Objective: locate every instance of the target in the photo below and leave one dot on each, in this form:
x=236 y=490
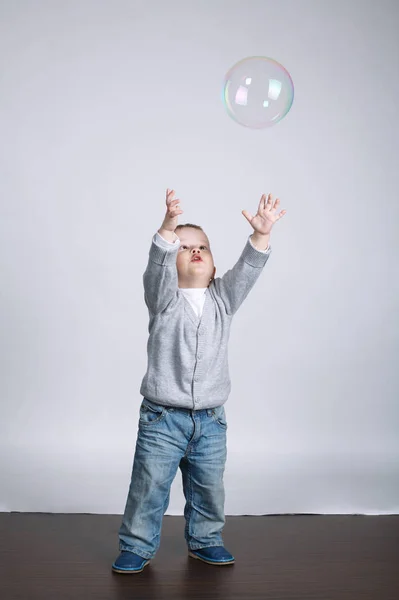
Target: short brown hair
x=189 y=225
x=198 y=227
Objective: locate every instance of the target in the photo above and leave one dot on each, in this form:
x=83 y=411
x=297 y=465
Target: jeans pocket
x=219 y=415
x=151 y=413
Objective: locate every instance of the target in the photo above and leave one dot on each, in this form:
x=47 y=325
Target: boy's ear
x=213 y=276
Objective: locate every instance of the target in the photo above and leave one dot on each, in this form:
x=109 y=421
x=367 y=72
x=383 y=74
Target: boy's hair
x=189 y=225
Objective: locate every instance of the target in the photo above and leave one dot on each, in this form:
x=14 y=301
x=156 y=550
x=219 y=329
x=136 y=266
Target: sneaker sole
x=129 y=571
x=215 y=563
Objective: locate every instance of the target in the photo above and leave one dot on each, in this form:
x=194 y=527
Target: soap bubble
x=258 y=92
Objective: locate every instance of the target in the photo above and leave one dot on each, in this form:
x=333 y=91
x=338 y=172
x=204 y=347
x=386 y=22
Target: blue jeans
x=168 y=438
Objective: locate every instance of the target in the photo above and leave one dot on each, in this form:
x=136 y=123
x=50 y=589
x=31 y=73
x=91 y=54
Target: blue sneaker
x=214 y=555
x=128 y=562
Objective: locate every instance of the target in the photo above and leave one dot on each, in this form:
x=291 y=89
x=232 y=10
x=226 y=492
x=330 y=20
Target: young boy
x=182 y=418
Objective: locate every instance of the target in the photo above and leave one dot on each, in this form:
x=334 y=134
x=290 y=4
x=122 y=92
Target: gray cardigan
x=187 y=356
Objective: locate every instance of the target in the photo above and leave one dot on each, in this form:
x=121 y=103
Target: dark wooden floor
x=60 y=557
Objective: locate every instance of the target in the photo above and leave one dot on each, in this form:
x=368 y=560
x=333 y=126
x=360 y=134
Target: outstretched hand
x=266 y=216
x=173 y=210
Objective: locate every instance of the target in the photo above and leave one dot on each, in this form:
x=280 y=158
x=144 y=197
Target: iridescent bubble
x=258 y=92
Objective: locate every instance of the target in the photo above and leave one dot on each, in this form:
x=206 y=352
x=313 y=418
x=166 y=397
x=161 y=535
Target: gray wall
x=105 y=104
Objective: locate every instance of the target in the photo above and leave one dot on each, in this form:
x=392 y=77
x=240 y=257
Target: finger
x=169 y=196
x=265 y=204
x=262 y=202
x=174 y=202
x=175 y=214
x=277 y=202
x=269 y=202
x=173 y=205
x=247 y=215
x=280 y=215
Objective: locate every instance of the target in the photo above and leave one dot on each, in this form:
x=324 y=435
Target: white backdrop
x=104 y=104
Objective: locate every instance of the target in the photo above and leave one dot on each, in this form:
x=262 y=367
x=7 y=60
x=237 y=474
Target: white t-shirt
x=196 y=297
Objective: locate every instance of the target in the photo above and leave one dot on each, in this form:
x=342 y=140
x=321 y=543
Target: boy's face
x=194 y=262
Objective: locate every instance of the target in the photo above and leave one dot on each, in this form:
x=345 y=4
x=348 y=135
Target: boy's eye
x=185 y=247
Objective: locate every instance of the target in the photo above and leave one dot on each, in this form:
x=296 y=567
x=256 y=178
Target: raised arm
x=160 y=277
x=236 y=283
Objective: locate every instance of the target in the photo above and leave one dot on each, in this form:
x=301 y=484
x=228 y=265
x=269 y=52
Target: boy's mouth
x=196 y=259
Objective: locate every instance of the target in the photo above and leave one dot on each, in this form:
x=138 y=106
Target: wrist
x=260 y=240
x=168 y=235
